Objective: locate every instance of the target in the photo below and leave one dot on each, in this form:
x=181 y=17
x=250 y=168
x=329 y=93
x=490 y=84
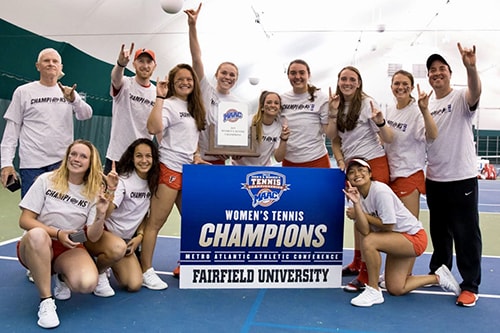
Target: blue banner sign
x=261 y=227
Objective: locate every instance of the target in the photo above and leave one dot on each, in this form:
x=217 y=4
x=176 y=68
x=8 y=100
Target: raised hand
x=68 y=92
x=285 y=133
x=193 y=15
x=351 y=193
x=333 y=102
x=124 y=55
x=377 y=115
x=111 y=178
x=162 y=87
x=468 y=55
x=423 y=99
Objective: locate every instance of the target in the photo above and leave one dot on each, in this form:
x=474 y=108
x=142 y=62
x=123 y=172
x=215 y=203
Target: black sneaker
x=348 y=270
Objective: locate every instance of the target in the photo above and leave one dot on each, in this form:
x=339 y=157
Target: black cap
x=435 y=57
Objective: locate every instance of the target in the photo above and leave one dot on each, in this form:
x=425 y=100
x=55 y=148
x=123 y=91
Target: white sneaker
x=152 y=281
x=103 y=289
x=370 y=296
x=61 y=290
x=29 y=276
x=47 y=315
x=447 y=281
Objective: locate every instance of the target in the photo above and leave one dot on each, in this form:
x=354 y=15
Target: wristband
x=283 y=139
x=381 y=125
x=162 y=97
x=57 y=234
x=120 y=65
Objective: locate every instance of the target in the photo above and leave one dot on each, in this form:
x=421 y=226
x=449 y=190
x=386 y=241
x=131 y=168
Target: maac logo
x=232 y=115
x=265 y=187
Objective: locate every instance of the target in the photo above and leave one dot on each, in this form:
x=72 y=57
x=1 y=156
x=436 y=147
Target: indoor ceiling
x=263 y=36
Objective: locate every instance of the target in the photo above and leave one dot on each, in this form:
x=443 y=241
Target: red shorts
x=57 y=249
x=218 y=162
x=403 y=186
x=322 y=162
x=171 y=178
x=419 y=241
x=380 y=169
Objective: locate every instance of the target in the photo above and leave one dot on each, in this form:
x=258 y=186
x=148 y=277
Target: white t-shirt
x=384 y=204
x=131 y=108
x=362 y=140
x=406 y=154
x=211 y=99
x=305 y=120
x=42 y=120
x=180 y=135
x=269 y=143
x=132 y=199
x=70 y=211
x=452 y=155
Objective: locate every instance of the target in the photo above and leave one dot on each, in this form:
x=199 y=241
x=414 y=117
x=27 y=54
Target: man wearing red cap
x=451 y=184
x=133 y=100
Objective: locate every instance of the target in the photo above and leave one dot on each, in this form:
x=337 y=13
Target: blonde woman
x=59 y=204
x=272 y=135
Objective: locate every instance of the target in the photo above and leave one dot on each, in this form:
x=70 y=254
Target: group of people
x=122 y=206
x=431 y=134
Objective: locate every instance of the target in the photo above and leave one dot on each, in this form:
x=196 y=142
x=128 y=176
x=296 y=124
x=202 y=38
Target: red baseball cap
x=140 y=52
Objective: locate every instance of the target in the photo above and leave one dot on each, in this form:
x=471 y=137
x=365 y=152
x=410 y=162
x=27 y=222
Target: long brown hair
x=125 y=165
x=196 y=107
x=348 y=121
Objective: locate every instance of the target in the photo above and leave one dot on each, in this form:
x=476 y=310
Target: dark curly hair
x=125 y=165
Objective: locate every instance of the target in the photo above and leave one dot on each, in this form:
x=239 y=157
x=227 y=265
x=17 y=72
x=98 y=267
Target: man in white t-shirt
x=452 y=185
x=40 y=118
x=133 y=100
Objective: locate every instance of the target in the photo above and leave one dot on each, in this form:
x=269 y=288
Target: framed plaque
x=232 y=135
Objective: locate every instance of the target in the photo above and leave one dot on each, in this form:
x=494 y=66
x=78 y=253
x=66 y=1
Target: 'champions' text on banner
x=261 y=227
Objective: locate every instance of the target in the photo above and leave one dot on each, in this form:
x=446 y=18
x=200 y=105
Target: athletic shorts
x=403 y=186
x=218 y=162
x=380 y=169
x=57 y=249
x=419 y=241
x=171 y=178
x=322 y=162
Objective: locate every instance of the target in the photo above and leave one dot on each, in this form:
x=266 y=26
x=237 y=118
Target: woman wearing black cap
x=387 y=226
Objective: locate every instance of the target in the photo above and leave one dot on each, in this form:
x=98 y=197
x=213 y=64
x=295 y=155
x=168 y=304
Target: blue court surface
x=246 y=310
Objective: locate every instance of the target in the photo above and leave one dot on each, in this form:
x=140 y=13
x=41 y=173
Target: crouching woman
x=387 y=226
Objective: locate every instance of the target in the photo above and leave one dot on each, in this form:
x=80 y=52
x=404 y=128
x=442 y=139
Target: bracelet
x=110 y=192
x=381 y=125
x=57 y=234
x=120 y=65
x=162 y=97
x=283 y=139
x=140 y=234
